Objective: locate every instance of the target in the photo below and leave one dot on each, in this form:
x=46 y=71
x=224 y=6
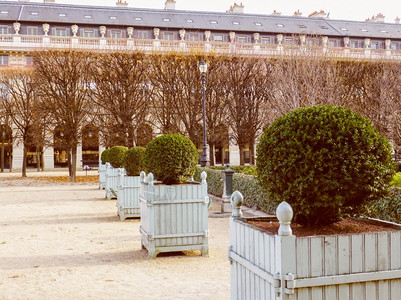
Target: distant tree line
x=131 y=96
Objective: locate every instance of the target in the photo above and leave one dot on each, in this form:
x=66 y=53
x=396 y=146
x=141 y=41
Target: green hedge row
x=248 y=170
x=246 y=184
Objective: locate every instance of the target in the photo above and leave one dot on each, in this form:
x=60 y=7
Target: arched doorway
x=6 y=147
x=144 y=134
x=90 y=146
x=60 y=148
x=34 y=151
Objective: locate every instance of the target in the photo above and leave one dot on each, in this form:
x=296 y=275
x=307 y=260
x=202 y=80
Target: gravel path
x=64 y=241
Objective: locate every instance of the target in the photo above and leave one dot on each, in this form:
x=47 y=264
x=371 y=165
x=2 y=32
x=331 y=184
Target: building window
x=62 y=15
x=115 y=34
x=280 y=25
x=113 y=18
x=235 y=22
x=142 y=35
x=213 y=22
x=138 y=19
x=354 y=44
x=194 y=37
x=3 y=60
x=242 y=39
x=168 y=36
x=34 y=13
x=88 y=33
x=4 y=29
x=289 y=41
x=88 y=17
x=29 y=60
x=324 y=27
x=59 y=31
x=32 y=30
x=4 y=12
x=374 y=45
x=218 y=38
x=364 y=30
x=166 y=20
x=395 y=46
x=265 y=40
x=190 y=21
x=344 y=29
x=302 y=26
x=258 y=24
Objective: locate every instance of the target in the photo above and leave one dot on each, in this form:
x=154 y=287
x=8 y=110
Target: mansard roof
x=55 y=13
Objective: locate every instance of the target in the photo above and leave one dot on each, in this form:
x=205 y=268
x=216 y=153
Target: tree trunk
x=2 y=157
x=37 y=159
x=69 y=162
x=73 y=164
x=241 y=155
x=211 y=154
x=42 y=158
x=252 y=153
x=24 y=161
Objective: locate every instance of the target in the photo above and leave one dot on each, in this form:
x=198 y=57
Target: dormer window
x=34 y=13
x=166 y=20
x=324 y=27
x=62 y=15
x=4 y=12
x=302 y=26
x=190 y=21
x=235 y=22
x=138 y=19
x=213 y=22
x=88 y=17
x=383 y=31
x=258 y=24
x=364 y=30
x=280 y=25
x=113 y=18
x=344 y=29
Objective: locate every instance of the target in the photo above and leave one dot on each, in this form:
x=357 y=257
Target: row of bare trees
x=119 y=92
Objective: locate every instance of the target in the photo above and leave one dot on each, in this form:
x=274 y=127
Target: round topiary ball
x=104 y=157
x=325 y=161
x=172 y=158
x=116 y=155
x=133 y=161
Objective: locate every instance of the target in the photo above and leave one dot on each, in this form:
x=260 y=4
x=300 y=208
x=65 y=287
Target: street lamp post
x=203 y=70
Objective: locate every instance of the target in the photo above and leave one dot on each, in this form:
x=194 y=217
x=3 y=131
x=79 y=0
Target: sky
x=356 y=10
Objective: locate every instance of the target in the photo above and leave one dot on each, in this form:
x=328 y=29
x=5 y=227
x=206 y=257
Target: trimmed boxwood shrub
x=325 y=161
x=248 y=170
x=116 y=155
x=133 y=161
x=172 y=158
x=104 y=157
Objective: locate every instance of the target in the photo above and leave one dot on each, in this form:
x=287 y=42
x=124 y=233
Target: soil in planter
x=344 y=226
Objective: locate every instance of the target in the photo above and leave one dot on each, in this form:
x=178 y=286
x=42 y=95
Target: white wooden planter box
x=174 y=217
x=102 y=176
x=128 y=196
x=333 y=267
x=111 y=181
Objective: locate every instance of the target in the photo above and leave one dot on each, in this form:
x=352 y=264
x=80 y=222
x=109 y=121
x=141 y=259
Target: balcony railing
x=31 y=43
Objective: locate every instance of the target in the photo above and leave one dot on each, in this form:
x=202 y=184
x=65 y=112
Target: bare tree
x=120 y=88
x=19 y=99
x=63 y=83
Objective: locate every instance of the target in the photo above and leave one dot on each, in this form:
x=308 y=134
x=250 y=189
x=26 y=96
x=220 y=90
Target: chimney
x=276 y=13
x=236 y=9
x=380 y=18
x=297 y=13
x=318 y=14
x=121 y=3
x=169 y=4
x=397 y=20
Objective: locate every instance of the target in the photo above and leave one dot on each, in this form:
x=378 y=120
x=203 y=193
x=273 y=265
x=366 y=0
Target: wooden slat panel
x=395 y=289
x=370 y=292
x=343 y=291
x=330 y=255
x=302 y=257
x=384 y=289
x=370 y=250
x=316 y=263
x=395 y=247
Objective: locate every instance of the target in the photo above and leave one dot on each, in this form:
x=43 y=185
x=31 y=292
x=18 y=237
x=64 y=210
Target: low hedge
x=246 y=184
x=388 y=209
x=248 y=170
